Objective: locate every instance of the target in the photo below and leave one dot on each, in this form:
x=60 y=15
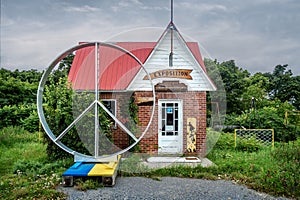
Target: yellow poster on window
x=191 y=135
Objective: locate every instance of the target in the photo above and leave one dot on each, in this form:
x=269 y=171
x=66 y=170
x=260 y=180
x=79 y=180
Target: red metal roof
x=117 y=69
x=193 y=46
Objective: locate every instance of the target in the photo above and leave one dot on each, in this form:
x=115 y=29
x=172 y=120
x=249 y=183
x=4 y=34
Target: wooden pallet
x=105 y=172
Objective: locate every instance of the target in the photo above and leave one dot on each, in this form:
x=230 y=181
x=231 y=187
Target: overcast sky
x=257 y=34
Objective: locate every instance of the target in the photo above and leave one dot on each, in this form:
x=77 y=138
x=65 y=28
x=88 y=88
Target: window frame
x=114 y=126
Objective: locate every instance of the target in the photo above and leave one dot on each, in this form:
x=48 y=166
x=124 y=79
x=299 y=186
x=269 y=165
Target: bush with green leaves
x=268 y=117
x=250 y=144
x=20 y=115
x=59 y=112
x=18 y=97
x=13 y=91
x=225 y=141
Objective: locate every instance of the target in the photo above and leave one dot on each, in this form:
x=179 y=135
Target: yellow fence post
x=40 y=131
x=273 y=138
x=235 y=138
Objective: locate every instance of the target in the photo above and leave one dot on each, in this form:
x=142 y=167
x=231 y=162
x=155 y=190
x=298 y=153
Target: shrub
x=58 y=113
x=270 y=116
x=226 y=141
x=19 y=115
x=36 y=168
x=59 y=110
x=250 y=144
x=285 y=179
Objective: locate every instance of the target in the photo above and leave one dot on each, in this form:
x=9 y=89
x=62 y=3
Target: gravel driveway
x=168 y=188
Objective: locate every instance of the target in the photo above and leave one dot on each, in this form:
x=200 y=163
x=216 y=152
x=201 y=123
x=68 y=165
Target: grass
x=91 y=183
x=26 y=172
x=24 y=169
x=16 y=144
x=273 y=171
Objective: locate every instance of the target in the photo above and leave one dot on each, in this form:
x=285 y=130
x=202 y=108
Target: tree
x=216 y=100
x=18 y=97
x=18 y=87
x=62 y=105
x=269 y=117
x=296 y=94
x=64 y=67
x=235 y=83
x=255 y=94
x=283 y=85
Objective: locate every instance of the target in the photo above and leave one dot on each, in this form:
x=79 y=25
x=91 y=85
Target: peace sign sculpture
x=96 y=104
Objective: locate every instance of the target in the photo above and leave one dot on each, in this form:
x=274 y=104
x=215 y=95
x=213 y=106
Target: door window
x=169 y=119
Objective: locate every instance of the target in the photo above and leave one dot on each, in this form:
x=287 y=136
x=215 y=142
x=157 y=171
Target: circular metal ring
x=40 y=100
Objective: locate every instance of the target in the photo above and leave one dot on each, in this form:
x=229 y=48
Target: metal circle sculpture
x=79 y=156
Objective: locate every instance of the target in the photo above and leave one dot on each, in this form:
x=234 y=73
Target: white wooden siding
x=182 y=59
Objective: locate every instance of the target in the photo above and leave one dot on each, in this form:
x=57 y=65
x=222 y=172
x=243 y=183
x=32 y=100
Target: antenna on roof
x=172 y=11
x=171 y=27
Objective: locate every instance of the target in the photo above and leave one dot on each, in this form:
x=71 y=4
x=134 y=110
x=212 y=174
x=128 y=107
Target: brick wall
x=194 y=106
x=120 y=138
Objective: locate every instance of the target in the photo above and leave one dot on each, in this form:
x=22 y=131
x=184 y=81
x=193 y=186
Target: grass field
x=26 y=172
x=273 y=171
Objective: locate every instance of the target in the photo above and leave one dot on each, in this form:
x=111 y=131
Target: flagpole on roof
x=171 y=27
x=172 y=11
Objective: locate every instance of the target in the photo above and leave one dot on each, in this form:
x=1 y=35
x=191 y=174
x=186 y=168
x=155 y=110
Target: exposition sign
x=171 y=73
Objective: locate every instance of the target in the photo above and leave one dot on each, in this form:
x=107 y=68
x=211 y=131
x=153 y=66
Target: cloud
x=84 y=8
x=126 y=4
x=7 y=21
x=254 y=50
x=202 y=7
x=257 y=34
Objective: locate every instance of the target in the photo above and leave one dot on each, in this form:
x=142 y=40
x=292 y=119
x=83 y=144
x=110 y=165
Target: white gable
x=185 y=67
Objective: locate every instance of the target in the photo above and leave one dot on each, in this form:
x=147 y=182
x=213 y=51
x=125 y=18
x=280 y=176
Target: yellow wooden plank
x=104 y=169
x=101 y=169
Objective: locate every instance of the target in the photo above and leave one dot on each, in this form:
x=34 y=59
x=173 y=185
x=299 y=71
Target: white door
x=169 y=126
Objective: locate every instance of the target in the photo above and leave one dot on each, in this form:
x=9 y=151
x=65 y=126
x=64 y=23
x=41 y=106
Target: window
x=170 y=119
x=111 y=104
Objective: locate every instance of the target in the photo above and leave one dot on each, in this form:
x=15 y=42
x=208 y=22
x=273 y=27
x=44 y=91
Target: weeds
x=273 y=171
x=133 y=165
x=286 y=176
x=28 y=175
x=88 y=184
x=24 y=171
x=19 y=186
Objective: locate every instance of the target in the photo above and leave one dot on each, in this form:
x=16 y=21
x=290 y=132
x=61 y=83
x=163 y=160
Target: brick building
x=180 y=81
